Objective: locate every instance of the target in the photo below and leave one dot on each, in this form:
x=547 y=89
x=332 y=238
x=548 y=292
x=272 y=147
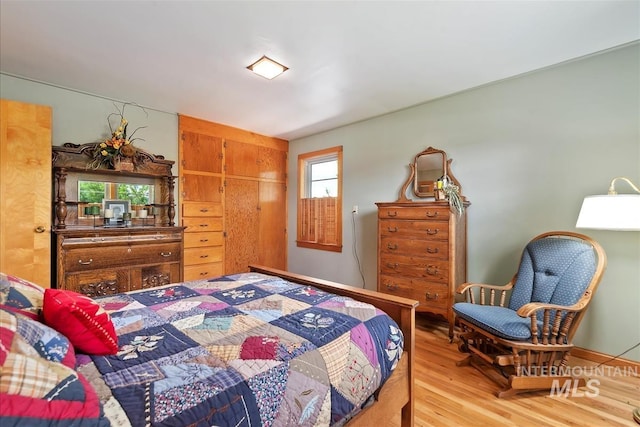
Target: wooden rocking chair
x=524 y=345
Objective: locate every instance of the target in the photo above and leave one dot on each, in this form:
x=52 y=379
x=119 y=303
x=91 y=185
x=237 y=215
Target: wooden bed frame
x=396 y=395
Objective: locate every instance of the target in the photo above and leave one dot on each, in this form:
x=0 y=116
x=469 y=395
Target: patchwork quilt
x=241 y=350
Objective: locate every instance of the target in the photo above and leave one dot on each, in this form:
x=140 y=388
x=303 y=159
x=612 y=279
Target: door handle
x=39 y=229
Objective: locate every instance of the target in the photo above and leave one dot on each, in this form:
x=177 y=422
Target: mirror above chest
x=431 y=178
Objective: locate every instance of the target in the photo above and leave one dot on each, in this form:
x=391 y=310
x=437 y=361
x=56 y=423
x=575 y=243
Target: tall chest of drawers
x=422 y=254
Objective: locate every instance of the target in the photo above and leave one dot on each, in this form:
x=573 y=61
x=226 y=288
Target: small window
x=320 y=200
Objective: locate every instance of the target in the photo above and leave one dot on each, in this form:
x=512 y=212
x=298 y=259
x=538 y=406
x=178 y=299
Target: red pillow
x=82 y=320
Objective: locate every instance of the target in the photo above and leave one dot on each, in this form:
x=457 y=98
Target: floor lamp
x=612 y=211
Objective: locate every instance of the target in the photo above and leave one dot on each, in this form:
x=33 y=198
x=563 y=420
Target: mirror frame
x=413 y=176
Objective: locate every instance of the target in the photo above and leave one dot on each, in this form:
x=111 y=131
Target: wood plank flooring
x=447 y=395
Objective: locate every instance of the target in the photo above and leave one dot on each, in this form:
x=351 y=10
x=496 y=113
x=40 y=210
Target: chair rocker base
x=514 y=384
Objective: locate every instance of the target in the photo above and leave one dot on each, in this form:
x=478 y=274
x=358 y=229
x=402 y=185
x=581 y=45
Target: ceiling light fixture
x=267 y=68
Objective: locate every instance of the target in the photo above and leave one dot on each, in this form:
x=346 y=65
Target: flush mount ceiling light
x=267 y=68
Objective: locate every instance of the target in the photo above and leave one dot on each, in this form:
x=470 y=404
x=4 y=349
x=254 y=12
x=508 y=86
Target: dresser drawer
x=432 y=270
x=85 y=259
x=203 y=271
x=433 y=297
x=204 y=255
x=200 y=239
x=199 y=224
x=432 y=230
x=433 y=249
x=436 y=213
x=202 y=209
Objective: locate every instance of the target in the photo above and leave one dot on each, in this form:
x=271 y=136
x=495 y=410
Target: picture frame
x=118 y=207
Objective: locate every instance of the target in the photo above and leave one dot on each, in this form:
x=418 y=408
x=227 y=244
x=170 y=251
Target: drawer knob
x=204 y=256
x=432 y=250
x=85 y=262
x=204 y=225
x=429 y=296
x=392 y=246
x=432 y=214
x=432 y=232
x=392 y=286
x=204 y=210
x=165 y=254
x=432 y=271
x=392 y=230
x=394 y=265
x=392 y=214
x=204 y=240
x=204 y=273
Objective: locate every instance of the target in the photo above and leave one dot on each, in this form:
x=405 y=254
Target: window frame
x=323 y=206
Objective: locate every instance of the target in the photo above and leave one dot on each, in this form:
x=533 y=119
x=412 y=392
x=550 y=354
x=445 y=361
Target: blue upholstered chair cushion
x=553 y=270
x=500 y=321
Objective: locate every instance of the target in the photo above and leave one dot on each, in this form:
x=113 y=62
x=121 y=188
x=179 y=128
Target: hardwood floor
x=447 y=395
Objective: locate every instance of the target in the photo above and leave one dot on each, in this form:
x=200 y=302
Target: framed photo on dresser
x=114 y=208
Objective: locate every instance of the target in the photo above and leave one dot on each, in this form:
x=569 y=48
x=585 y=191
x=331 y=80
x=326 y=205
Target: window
x=320 y=200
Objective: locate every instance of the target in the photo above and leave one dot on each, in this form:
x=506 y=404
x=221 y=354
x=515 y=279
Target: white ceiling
x=349 y=60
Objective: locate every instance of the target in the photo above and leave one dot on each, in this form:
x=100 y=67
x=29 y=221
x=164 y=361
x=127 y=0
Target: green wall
x=526 y=151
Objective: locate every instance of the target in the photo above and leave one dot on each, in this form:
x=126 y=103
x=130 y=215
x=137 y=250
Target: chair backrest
x=558 y=268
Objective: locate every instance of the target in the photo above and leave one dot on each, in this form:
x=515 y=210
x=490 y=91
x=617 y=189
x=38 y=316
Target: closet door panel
x=241 y=224
x=272 y=234
x=201 y=188
x=202 y=153
x=242 y=159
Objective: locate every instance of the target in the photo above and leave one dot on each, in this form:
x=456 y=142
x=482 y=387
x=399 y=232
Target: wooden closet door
x=201 y=153
x=25 y=191
x=272 y=234
x=241 y=224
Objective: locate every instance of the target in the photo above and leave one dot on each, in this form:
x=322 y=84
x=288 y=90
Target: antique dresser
x=422 y=244
x=98 y=253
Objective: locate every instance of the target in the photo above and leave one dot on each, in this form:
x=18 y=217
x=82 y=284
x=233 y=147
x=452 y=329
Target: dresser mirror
x=428 y=167
x=92 y=192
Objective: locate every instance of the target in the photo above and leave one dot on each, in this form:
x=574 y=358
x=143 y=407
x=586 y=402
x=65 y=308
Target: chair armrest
x=488 y=293
x=464 y=287
x=530 y=308
x=558 y=329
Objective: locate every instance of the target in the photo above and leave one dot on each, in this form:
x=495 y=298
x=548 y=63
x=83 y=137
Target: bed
x=182 y=358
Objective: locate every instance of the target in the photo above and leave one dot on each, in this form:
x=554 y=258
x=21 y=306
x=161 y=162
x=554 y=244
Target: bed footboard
x=397 y=393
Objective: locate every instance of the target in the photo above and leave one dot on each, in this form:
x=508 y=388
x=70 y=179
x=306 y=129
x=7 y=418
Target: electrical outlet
x=354 y=210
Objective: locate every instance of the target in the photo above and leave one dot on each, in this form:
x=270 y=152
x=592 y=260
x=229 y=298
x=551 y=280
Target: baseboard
x=598 y=357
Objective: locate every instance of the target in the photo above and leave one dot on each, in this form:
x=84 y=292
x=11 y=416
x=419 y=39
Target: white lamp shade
x=610 y=212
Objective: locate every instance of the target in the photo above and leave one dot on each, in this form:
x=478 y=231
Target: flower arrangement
x=451 y=192
x=120 y=144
